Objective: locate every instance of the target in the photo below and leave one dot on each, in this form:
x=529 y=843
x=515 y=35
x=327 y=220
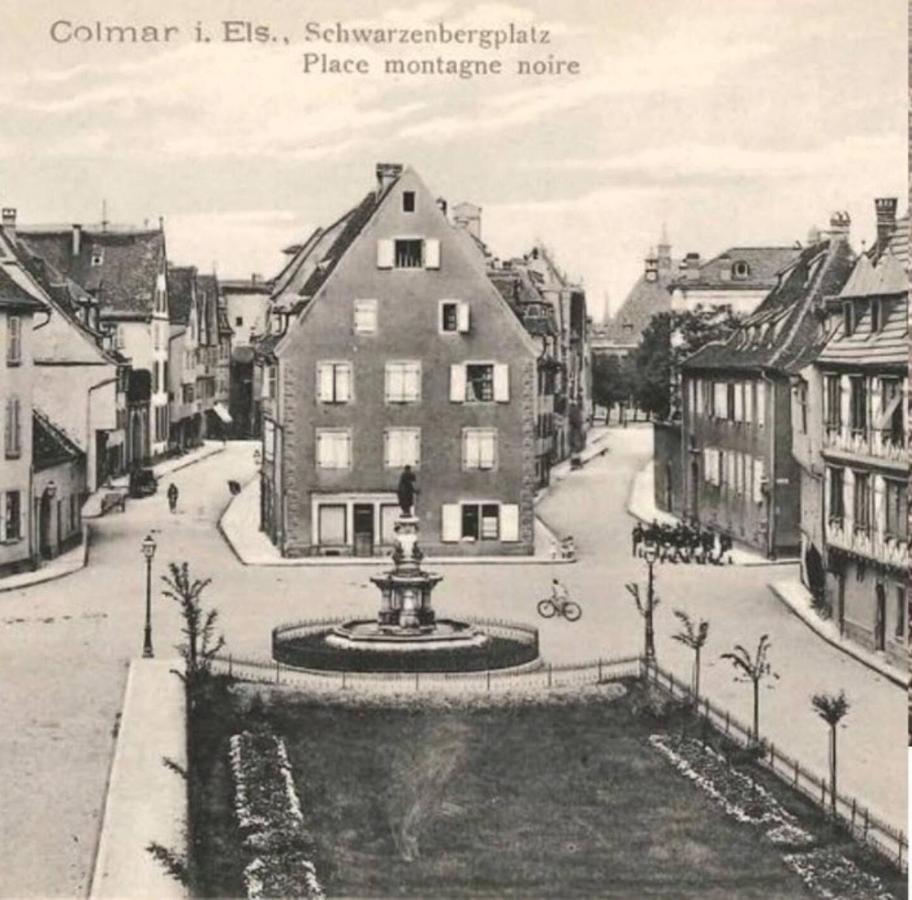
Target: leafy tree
x=832 y=708
x=753 y=669
x=693 y=636
x=667 y=341
x=611 y=382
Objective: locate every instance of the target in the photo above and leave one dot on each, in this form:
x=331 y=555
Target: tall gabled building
x=125 y=271
x=736 y=463
x=389 y=346
x=852 y=403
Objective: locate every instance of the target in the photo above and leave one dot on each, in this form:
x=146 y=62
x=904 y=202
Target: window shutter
x=385 y=253
x=848 y=494
x=324 y=383
x=880 y=511
x=462 y=317
x=413 y=441
x=698 y=396
x=720 y=401
x=758 y=480
x=343 y=450
x=343 y=383
x=451 y=522
x=457 y=383
x=761 y=403
x=432 y=253
x=845 y=400
x=509 y=522
x=706 y=464
x=501 y=382
x=487 y=449
x=749 y=401
x=739 y=401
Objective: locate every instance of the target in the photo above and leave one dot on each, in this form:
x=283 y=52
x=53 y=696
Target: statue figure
x=406 y=491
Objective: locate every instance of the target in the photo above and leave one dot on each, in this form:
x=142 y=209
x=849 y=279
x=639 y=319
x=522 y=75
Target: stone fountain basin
x=443 y=634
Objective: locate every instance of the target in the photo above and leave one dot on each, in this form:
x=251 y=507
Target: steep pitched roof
x=784 y=333
x=18 y=290
x=120 y=266
x=645 y=299
x=764 y=264
x=50 y=445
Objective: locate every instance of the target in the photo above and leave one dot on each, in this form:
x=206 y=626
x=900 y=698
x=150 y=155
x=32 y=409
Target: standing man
x=172 y=496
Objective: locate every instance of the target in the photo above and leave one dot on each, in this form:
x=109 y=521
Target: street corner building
x=850 y=409
x=388 y=345
x=736 y=466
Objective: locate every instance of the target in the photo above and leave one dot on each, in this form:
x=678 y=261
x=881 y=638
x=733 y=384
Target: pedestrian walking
x=172 y=496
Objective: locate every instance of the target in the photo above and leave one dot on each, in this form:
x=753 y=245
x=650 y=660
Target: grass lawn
x=525 y=801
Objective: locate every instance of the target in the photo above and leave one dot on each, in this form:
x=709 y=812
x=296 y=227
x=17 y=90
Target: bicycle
x=550 y=607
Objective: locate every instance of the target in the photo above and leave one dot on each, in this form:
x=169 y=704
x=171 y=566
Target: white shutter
x=720 y=403
x=432 y=253
x=343 y=383
x=462 y=317
x=707 y=457
x=698 y=396
x=385 y=253
x=880 y=513
x=324 y=382
x=501 y=382
x=451 y=522
x=739 y=401
x=845 y=402
x=487 y=449
x=749 y=401
x=389 y=448
x=413 y=443
x=758 y=480
x=876 y=402
x=343 y=450
x=848 y=494
x=457 y=383
x=509 y=522
x=761 y=403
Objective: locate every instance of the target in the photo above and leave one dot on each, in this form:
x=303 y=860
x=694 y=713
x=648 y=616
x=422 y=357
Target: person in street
x=559 y=594
x=172 y=496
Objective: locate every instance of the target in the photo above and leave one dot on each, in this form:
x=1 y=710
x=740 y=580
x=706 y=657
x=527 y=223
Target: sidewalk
x=641 y=505
x=239 y=526
x=798 y=599
x=91 y=509
x=65 y=564
x=146 y=801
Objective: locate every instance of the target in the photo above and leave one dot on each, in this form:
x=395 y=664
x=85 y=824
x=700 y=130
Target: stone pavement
x=65 y=646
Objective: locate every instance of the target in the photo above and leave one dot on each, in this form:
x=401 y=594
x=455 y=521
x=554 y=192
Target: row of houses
x=113 y=358
x=395 y=338
x=792 y=433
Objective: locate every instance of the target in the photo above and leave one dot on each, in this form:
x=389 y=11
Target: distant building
x=851 y=406
x=389 y=346
x=736 y=463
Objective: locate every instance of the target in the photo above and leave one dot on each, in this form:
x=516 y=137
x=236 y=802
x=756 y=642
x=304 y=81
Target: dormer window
x=408 y=201
x=740 y=270
x=876 y=317
x=848 y=319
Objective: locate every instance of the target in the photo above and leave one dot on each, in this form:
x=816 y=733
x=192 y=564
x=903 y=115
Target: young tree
x=201 y=645
x=753 y=669
x=832 y=708
x=694 y=637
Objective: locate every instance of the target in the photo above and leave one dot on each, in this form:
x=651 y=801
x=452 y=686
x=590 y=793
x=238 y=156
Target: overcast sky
x=733 y=121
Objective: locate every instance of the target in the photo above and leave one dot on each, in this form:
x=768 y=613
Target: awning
x=222 y=413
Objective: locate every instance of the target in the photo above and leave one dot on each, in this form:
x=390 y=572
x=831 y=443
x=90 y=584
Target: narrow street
x=65 y=646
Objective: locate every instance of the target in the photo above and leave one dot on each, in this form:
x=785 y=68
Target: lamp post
x=148 y=551
x=650 y=555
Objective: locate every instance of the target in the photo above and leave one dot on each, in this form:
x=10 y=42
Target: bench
x=113 y=500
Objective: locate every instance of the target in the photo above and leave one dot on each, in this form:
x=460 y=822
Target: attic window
x=848 y=319
x=876 y=317
x=409 y=254
x=408 y=201
x=97 y=257
x=740 y=269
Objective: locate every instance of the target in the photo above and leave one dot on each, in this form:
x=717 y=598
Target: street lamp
x=646 y=610
x=148 y=551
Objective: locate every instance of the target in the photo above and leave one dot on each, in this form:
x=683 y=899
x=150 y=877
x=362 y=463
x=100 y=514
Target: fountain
x=406 y=635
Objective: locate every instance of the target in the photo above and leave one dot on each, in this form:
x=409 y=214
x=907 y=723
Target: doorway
x=363 y=527
x=880 y=618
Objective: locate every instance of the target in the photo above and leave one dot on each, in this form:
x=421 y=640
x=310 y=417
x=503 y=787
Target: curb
x=847 y=649
x=54 y=576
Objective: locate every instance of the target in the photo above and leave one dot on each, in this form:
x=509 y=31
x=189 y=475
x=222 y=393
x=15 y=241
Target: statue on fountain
x=407 y=491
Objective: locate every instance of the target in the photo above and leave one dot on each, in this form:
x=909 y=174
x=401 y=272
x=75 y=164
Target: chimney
x=840 y=223
x=468 y=216
x=885 y=210
x=77 y=240
x=9 y=221
x=442 y=205
x=692 y=266
x=387 y=173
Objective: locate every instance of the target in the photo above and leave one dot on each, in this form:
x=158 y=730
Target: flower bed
x=270 y=819
x=825 y=870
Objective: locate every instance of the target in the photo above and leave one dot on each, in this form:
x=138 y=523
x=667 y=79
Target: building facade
x=854 y=450
x=390 y=347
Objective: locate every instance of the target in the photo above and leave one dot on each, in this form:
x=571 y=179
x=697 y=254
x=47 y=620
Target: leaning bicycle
x=551 y=607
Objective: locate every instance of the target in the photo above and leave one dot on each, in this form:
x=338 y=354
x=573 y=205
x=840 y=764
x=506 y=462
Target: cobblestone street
x=65 y=645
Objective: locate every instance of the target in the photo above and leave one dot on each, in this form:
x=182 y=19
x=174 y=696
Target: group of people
x=686 y=542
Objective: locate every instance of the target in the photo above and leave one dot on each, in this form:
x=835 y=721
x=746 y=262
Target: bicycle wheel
x=546 y=609
x=572 y=611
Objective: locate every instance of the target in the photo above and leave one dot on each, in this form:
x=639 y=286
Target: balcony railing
x=880 y=443
x=868 y=541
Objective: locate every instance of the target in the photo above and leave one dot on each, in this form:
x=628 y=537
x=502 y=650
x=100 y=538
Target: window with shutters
x=479 y=448
x=402 y=447
x=897 y=510
x=12 y=516
x=862 y=509
x=876 y=316
x=480 y=382
x=333 y=448
x=365 y=316
x=334 y=382
x=408 y=253
x=454 y=317
x=480 y=521
x=836 y=494
x=403 y=381
x=13 y=341
x=13 y=429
